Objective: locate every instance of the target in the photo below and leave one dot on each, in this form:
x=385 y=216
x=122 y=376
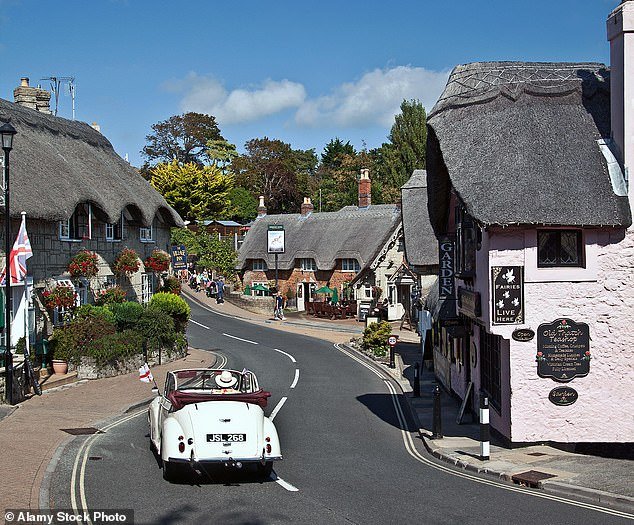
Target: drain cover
x=536 y=454
x=531 y=478
x=81 y=431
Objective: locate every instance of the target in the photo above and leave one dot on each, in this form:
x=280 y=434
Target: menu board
x=563 y=350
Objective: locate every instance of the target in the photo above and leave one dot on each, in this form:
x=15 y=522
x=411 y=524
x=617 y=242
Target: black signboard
x=563 y=396
x=469 y=302
x=523 y=335
x=446 y=268
x=563 y=350
x=179 y=257
x=508 y=294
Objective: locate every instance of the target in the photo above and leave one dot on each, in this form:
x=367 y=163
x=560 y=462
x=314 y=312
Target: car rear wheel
x=265 y=470
x=170 y=471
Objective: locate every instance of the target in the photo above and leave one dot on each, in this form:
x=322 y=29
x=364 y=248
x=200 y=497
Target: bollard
x=485 y=435
x=416 y=381
x=437 y=423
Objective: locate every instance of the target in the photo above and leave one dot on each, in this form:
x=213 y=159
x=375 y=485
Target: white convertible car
x=212 y=416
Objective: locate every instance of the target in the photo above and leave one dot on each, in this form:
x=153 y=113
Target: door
x=300 y=297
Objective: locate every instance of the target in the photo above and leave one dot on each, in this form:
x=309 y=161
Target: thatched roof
x=421 y=246
x=350 y=233
x=57 y=163
x=518 y=143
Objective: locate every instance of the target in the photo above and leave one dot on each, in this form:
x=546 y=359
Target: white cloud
x=208 y=95
x=375 y=98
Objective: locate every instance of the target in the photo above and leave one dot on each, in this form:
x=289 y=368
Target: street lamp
x=7 y=131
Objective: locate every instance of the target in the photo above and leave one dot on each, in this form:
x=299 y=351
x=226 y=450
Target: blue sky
x=302 y=72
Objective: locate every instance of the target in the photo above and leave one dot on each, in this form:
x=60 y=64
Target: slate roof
x=57 y=163
x=421 y=246
x=518 y=143
x=351 y=232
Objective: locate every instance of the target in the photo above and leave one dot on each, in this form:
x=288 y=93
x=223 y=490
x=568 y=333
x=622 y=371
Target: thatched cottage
x=77 y=194
x=525 y=167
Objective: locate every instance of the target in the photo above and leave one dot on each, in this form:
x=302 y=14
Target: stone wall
x=252 y=303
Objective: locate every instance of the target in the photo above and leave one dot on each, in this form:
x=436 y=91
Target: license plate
x=226 y=437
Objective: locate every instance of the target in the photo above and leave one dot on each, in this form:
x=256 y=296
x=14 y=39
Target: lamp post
x=7 y=131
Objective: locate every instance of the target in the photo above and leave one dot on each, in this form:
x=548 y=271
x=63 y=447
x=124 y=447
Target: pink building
x=527 y=169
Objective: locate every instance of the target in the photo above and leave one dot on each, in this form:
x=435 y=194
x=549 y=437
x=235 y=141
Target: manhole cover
x=81 y=431
x=531 y=478
x=536 y=454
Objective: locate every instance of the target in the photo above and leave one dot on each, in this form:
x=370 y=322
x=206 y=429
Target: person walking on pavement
x=279 y=307
x=220 y=291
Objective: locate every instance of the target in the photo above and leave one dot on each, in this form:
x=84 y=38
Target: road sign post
x=392 y=342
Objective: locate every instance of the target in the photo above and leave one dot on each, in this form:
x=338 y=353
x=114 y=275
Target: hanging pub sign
x=469 y=302
x=563 y=350
x=563 y=396
x=275 y=238
x=446 y=268
x=179 y=257
x=508 y=294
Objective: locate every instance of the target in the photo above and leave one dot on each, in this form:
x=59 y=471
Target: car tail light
x=268 y=448
x=181 y=447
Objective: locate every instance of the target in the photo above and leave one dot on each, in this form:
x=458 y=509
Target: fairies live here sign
x=508 y=294
x=563 y=350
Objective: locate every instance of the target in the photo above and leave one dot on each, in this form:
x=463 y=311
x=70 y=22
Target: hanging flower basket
x=84 y=264
x=60 y=297
x=127 y=262
x=158 y=262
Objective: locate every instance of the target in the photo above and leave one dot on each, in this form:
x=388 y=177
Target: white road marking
x=240 y=339
x=201 y=325
x=359 y=360
x=287 y=355
x=296 y=378
x=286 y=485
x=277 y=408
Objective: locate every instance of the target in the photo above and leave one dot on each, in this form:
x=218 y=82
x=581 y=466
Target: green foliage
x=158 y=328
x=126 y=315
x=186 y=237
x=221 y=152
x=86 y=311
x=174 y=306
x=171 y=285
x=182 y=137
x=375 y=338
x=196 y=192
x=216 y=254
x=114 y=294
x=243 y=207
x=70 y=342
x=115 y=347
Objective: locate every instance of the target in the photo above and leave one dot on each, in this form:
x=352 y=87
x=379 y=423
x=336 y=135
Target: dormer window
x=259 y=265
x=350 y=265
x=308 y=265
x=114 y=230
x=560 y=248
x=146 y=234
x=79 y=226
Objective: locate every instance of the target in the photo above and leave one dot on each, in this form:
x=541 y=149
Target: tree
x=243 y=205
x=221 y=153
x=181 y=137
x=334 y=152
x=273 y=169
x=211 y=253
x=195 y=192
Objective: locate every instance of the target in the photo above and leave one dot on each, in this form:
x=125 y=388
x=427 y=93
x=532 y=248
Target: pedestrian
x=279 y=307
x=220 y=290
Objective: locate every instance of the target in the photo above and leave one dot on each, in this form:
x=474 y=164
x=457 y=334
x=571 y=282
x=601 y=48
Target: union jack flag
x=19 y=254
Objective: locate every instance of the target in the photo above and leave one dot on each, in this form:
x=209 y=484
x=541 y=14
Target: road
x=351 y=454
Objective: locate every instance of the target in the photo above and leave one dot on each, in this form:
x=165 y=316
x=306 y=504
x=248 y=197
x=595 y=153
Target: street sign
x=391 y=341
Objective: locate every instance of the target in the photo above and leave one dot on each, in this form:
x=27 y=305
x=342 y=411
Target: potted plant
x=157 y=262
x=127 y=262
x=63 y=348
x=62 y=297
x=84 y=264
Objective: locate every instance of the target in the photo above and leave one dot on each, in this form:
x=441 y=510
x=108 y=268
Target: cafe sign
x=508 y=294
x=563 y=350
x=446 y=268
x=563 y=396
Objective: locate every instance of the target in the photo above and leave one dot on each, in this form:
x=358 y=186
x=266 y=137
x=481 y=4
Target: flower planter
x=59 y=366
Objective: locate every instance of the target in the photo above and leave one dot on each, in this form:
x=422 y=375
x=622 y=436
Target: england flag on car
x=19 y=254
x=145 y=374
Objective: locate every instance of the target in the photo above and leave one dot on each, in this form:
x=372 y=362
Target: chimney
x=307 y=207
x=34 y=98
x=97 y=127
x=261 y=207
x=365 y=189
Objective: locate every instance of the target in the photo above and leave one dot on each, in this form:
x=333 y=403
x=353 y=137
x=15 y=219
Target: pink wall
x=602 y=295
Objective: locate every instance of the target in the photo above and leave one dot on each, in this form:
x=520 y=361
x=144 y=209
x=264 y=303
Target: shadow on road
x=382 y=405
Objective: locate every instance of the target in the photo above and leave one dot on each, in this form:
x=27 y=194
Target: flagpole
x=8 y=357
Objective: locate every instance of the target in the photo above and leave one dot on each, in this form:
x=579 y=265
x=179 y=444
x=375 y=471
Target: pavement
x=33 y=430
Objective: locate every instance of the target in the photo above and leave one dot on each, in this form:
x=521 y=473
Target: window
x=147 y=287
x=259 y=265
x=114 y=230
x=146 y=234
x=308 y=265
x=350 y=265
x=466 y=243
x=78 y=226
x=490 y=366
x=559 y=248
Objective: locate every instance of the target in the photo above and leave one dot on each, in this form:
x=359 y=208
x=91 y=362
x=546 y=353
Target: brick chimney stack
x=261 y=207
x=620 y=29
x=307 y=207
x=34 y=98
x=365 y=189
